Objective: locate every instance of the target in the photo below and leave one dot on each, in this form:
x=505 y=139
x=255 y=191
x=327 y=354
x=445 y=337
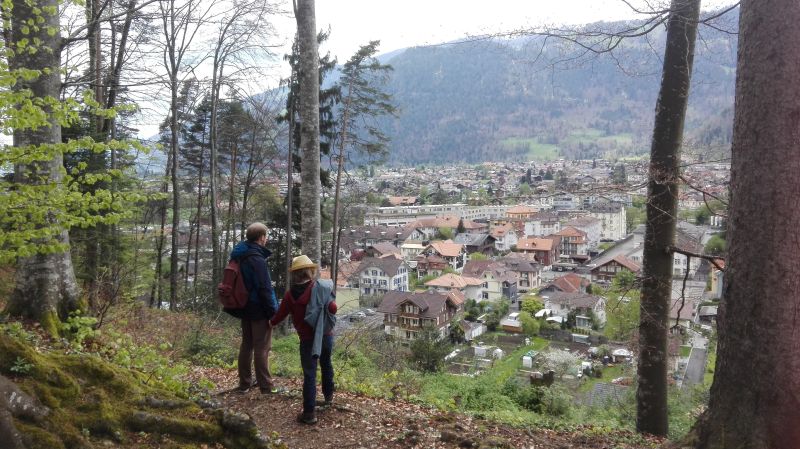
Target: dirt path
x=361 y=422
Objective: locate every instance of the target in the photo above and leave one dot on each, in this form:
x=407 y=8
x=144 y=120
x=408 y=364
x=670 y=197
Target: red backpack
x=232 y=292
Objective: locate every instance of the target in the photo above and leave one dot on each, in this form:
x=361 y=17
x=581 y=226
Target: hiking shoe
x=273 y=390
x=307 y=418
x=328 y=401
x=245 y=388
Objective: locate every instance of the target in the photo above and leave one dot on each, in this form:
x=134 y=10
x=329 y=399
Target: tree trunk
x=197 y=215
x=231 y=200
x=45 y=283
x=335 y=228
x=336 y=196
x=662 y=210
x=156 y=297
x=755 y=397
x=216 y=256
x=309 y=129
x=176 y=206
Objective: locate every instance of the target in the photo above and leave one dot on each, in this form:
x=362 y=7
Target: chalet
x=430 y=265
x=380 y=275
x=357 y=239
x=582 y=304
x=609 y=269
x=545 y=249
x=410 y=250
x=348 y=274
x=406 y=314
x=498 y=281
x=454 y=253
x=526 y=268
x=569 y=283
x=505 y=236
x=470 y=287
x=383 y=249
x=476 y=243
x=428 y=228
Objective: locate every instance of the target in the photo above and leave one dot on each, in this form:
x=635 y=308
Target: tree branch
x=713 y=259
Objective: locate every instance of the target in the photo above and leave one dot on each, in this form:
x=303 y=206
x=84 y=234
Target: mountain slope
x=515 y=100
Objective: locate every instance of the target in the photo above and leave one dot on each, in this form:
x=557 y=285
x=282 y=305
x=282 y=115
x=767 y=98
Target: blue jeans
x=310 y=372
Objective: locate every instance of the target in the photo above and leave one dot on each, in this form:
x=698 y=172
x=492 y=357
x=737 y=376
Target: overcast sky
x=406 y=23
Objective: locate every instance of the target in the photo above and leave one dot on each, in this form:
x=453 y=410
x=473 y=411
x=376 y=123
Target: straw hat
x=300 y=262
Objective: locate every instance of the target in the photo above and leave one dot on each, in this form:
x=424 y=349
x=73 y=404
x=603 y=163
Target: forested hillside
x=510 y=100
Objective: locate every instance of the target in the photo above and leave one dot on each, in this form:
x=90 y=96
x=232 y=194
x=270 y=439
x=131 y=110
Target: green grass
x=587 y=135
x=708 y=377
x=592 y=135
x=536 y=151
x=510 y=363
x=609 y=373
x=685 y=351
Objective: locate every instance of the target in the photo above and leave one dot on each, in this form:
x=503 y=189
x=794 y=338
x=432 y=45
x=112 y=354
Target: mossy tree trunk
x=45 y=288
x=755 y=397
x=662 y=211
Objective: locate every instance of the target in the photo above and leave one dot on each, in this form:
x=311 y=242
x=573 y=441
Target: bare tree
x=755 y=397
x=180 y=23
x=242 y=28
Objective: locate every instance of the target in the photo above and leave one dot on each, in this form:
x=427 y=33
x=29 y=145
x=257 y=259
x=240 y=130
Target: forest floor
x=355 y=421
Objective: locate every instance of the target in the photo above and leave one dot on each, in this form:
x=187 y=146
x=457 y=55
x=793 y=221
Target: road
x=695 y=368
x=343 y=322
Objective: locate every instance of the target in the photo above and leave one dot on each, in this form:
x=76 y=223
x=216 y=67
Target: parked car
x=369 y=312
x=357 y=316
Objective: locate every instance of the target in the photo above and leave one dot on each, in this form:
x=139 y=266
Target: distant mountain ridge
x=488 y=100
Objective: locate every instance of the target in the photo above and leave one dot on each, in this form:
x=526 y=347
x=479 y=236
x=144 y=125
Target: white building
x=542 y=224
x=612 y=218
x=378 y=276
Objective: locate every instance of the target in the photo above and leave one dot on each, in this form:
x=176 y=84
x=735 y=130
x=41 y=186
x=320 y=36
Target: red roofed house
x=406 y=314
x=569 y=283
x=470 y=287
x=403 y=200
x=505 y=235
x=521 y=212
x=454 y=253
x=608 y=270
x=546 y=250
x=573 y=241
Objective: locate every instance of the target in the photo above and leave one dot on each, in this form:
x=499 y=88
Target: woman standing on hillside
x=312 y=306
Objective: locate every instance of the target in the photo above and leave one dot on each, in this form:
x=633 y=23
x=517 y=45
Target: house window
x=374 y=272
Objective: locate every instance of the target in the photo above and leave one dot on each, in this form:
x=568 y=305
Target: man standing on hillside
x=261 y=306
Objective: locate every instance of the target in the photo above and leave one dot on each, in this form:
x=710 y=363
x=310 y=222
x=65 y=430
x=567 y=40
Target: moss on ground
x=93 y=402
